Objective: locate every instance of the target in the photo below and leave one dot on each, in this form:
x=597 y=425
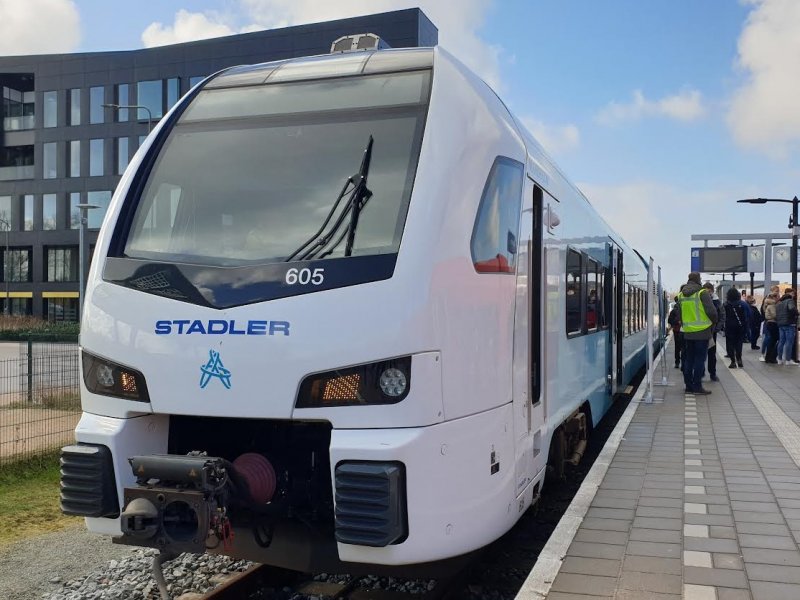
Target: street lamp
x=6 y=259
x=149 y=114
x=792 y=225
x=84 y=208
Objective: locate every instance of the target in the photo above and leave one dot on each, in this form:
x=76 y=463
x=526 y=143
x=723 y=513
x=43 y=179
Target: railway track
x=262 y=582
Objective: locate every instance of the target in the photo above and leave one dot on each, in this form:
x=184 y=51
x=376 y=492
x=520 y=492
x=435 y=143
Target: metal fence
x=39 y=397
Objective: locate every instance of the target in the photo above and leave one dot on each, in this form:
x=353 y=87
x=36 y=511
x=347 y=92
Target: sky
x=663 y=112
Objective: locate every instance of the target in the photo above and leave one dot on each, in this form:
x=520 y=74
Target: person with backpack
x=769 y=347
x=674 y=320
x=735 y=326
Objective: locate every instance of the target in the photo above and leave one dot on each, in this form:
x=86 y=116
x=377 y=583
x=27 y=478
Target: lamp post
x=6 y=259
x=137 y=106
x=84 y=208
x=792 y=225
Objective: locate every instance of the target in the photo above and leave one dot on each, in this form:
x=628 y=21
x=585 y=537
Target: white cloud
x=764 y=111
x=458 y=25
x=186 y=28
x=556 y=139
x=687 y=105
x=38 y=26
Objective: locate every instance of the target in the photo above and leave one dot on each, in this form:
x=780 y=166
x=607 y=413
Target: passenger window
x=592 y=295
x=494 y=238
x=574 y=293
x=602 y=293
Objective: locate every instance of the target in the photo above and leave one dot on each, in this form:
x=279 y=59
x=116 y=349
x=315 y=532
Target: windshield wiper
x=318 y=244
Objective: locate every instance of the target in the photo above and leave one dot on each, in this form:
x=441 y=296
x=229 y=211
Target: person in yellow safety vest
x=698 y=317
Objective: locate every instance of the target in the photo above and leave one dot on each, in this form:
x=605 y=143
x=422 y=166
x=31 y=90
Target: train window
x=494 y=237
x=574 y=293
x=602 y=295
x=592 y=294
x=628 y=301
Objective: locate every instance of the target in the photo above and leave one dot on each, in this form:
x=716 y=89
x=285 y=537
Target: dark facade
x=59 y=146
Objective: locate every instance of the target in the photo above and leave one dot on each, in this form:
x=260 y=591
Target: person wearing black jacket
x=756 y=318
x=718 y=326
x=735 y=326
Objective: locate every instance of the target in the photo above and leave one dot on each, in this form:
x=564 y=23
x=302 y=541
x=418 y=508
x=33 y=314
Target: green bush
x=20 y=329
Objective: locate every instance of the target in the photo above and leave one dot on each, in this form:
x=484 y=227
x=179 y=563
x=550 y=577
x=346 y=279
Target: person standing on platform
x=718 y=326
x=735 y=326
x=769 y=346
x=674 y=320
x=756 y=318
x=786 y=318
x=698 y=317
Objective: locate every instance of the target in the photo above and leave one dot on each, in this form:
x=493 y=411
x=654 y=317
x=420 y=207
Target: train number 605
x=305 y=276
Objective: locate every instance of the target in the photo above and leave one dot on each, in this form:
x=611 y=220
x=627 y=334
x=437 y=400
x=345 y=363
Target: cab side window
x=494 y=237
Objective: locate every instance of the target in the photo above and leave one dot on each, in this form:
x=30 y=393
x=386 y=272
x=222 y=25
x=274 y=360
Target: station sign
x=730 y=259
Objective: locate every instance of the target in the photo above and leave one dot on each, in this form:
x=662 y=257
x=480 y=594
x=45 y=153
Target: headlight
x=104 y=377
x=385 y=382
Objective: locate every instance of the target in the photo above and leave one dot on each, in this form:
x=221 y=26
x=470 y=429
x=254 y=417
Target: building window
x=61 y=309
x=74 y=158
x=97 y=96
x=494 y=237
x=17 y=265
x=5 y=212
x=95 y=158
x=574 y=287
x=122 y=155
x=96 y=215
x=50 y=109
x=62 y=263
x=49 y=212
x=74 y=101
x=151 y=95
x=18 y=306
x=49 y=161
x=18 y=108
x=122 y=98
x=173 y=91
x=27 y=208
x=74 y=211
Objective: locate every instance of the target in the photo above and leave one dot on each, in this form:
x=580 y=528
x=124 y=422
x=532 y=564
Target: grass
x=19 y=328
x=29 y=502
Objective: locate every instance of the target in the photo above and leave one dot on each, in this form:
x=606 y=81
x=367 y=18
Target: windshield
x=249 y=174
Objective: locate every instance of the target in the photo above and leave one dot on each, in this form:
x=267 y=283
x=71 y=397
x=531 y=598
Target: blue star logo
x=214 y=368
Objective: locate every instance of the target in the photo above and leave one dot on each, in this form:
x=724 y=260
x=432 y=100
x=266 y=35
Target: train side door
x=526 y=372
x=617 y=286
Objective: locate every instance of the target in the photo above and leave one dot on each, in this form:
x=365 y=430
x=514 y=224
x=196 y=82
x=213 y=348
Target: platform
x=694 y=497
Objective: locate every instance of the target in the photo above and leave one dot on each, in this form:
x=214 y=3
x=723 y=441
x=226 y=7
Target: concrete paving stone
x=791 y=487
x=623 y=514
x=629 y=503
x=751 y=496
x=606 y=524
x=728 y=561
x=690 y=530
x=698 y=592
x=716 y=577
x=762 y=590
x=661 y=493
x=790 y=558
x=657 y=523
x=741 y=487
x=621 y=482
x=663 y=502
x=759 y=507
x=763 y=529
x=791 y=513
x=601 y=537
x=650 y=582
x=567 y=596
x=695 y=508
x=755 y=480
x=692 y=558
x=787 y=494
x=756 y=517
x=774 y=542
x=732 y=594
x=659 y=549
x=775 y=573
x=604 y=493
x=719 y=509
x=707 y=498
x=673 y=478
x=649 y=564
x=590 y=566
x=788 y=502
x=659 y=511
x=634 y=595
x=584 y=584
x=710 y=545
x=655 y=535
x=595 y=550
x=783 y=478
x=725 y=533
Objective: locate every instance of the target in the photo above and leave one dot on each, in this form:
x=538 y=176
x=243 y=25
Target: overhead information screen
x=723 y=260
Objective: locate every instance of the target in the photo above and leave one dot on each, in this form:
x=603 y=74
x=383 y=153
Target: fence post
x=30 y=371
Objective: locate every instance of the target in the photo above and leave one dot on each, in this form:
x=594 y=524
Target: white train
x=344 y=309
